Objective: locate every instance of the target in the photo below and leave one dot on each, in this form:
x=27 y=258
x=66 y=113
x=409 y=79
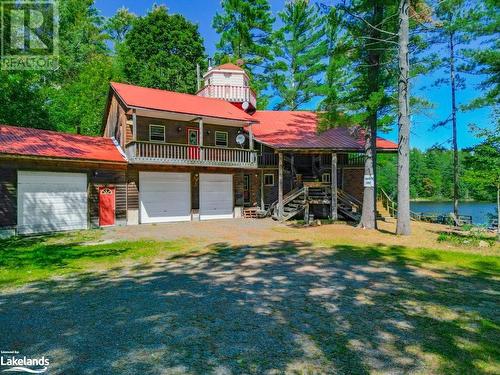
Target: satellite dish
x=245 y=105
x=240 y=139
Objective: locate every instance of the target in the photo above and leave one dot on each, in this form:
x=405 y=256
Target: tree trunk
x=403 y=223
x=367 y=220
x=369 y=213
x=454 y=124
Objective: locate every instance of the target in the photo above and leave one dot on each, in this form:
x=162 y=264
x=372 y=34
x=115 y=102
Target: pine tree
x=403 y=222
x=245 y=29
x=299 y=53
x=364 y=98
x=451 y=33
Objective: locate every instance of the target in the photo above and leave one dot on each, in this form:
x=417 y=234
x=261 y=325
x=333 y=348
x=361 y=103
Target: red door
x=106 y=205
x=193 y=141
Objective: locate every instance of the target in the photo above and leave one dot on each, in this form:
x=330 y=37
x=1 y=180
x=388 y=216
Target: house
x=167 y=156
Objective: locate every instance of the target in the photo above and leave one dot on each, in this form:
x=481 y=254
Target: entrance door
x=246 y=189
x=106 y=206
x=193 y=140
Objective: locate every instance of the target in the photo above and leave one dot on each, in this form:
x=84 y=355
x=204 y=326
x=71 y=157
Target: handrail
x=391 y=206
x=290 y=196
x=183 y=154
x=187 y=145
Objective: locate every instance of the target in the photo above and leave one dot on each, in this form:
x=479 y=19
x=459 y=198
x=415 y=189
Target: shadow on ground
x=266 y=309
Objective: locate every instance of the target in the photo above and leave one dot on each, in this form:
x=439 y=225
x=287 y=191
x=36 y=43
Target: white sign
x=369 y=181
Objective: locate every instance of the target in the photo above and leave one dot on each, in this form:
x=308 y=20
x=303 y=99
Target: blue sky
x=202 y=12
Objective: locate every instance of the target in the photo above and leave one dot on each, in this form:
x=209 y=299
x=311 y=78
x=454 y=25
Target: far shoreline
x=431 y=200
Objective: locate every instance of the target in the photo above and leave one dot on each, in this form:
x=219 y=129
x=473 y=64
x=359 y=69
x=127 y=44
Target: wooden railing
x=230 y=93
x=179 y=154
x=268 y=159
x=392 y=207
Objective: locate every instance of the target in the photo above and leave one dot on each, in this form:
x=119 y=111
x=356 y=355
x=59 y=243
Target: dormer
x=229 y=82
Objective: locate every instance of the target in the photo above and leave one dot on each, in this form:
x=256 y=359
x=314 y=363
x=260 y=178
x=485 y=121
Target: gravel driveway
x=279 y=308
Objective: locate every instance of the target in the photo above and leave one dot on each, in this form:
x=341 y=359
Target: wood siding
x=116 y=123
x=352 y=182
x=8 y=197
x=97 y=174
x=174 y=135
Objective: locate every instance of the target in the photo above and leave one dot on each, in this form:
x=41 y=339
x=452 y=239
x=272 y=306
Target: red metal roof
x=299 y=129
x=229 y=66
x=162 y=100
x=45 y=143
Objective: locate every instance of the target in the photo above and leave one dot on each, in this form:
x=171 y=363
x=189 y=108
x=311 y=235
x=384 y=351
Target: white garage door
x=51 y=201
x=216 y=196
x=165 y=197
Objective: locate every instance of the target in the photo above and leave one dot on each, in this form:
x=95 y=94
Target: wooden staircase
x=298 y=200
x=294 y=203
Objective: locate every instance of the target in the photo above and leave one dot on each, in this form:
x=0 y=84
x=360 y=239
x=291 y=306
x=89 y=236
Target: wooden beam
x=200 y=125
x=262 y=204
x=250 y=136
x=333 y=180
x=134 y=125
x=280 y=186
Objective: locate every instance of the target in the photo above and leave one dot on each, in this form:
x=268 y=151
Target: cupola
x=229 y=82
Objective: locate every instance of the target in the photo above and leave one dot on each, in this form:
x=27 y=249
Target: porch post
x=200 y=126
x=333 y=180
x=262 y=205
x=134 y=125
x=280 y=186
x=250 y=136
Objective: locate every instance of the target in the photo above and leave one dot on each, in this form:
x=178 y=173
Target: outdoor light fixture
x=179 y=129
x=208 y=132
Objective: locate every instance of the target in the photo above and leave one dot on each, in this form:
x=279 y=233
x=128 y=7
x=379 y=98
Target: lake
x=478 y=210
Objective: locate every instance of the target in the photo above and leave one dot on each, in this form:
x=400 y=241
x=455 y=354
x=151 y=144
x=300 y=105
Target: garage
x=51 y=201
x=164 y=197
x=216 y=196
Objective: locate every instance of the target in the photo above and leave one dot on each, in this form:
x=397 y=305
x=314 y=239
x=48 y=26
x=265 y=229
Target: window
x=269 y=179
x=325 y=177
x=221 y=139
x=157 y=133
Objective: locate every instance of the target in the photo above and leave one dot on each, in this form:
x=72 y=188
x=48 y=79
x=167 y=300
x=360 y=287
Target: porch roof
x=299 y=130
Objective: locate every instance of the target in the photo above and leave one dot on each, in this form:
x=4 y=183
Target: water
x=478 y=210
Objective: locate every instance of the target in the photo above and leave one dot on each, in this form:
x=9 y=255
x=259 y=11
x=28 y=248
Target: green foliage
x=483 y=164
x=431 y=173
x=161 y=51
x=118 y=25
x=245 y=28
x=471 y=238
x=299 y=51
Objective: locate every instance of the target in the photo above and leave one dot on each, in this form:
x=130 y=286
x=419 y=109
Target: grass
x=447 y=300
x=469 y=238
x=28 y=259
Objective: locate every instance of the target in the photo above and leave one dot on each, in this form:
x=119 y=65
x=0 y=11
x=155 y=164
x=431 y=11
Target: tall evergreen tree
x=451 y=33
x=403 y=223
x=245 y=28
x=365 y=99
x=162 y=51
x=299 y=53
x=485 y=60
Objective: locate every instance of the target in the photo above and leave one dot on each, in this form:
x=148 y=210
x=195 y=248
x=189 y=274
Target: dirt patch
x=257 y=232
